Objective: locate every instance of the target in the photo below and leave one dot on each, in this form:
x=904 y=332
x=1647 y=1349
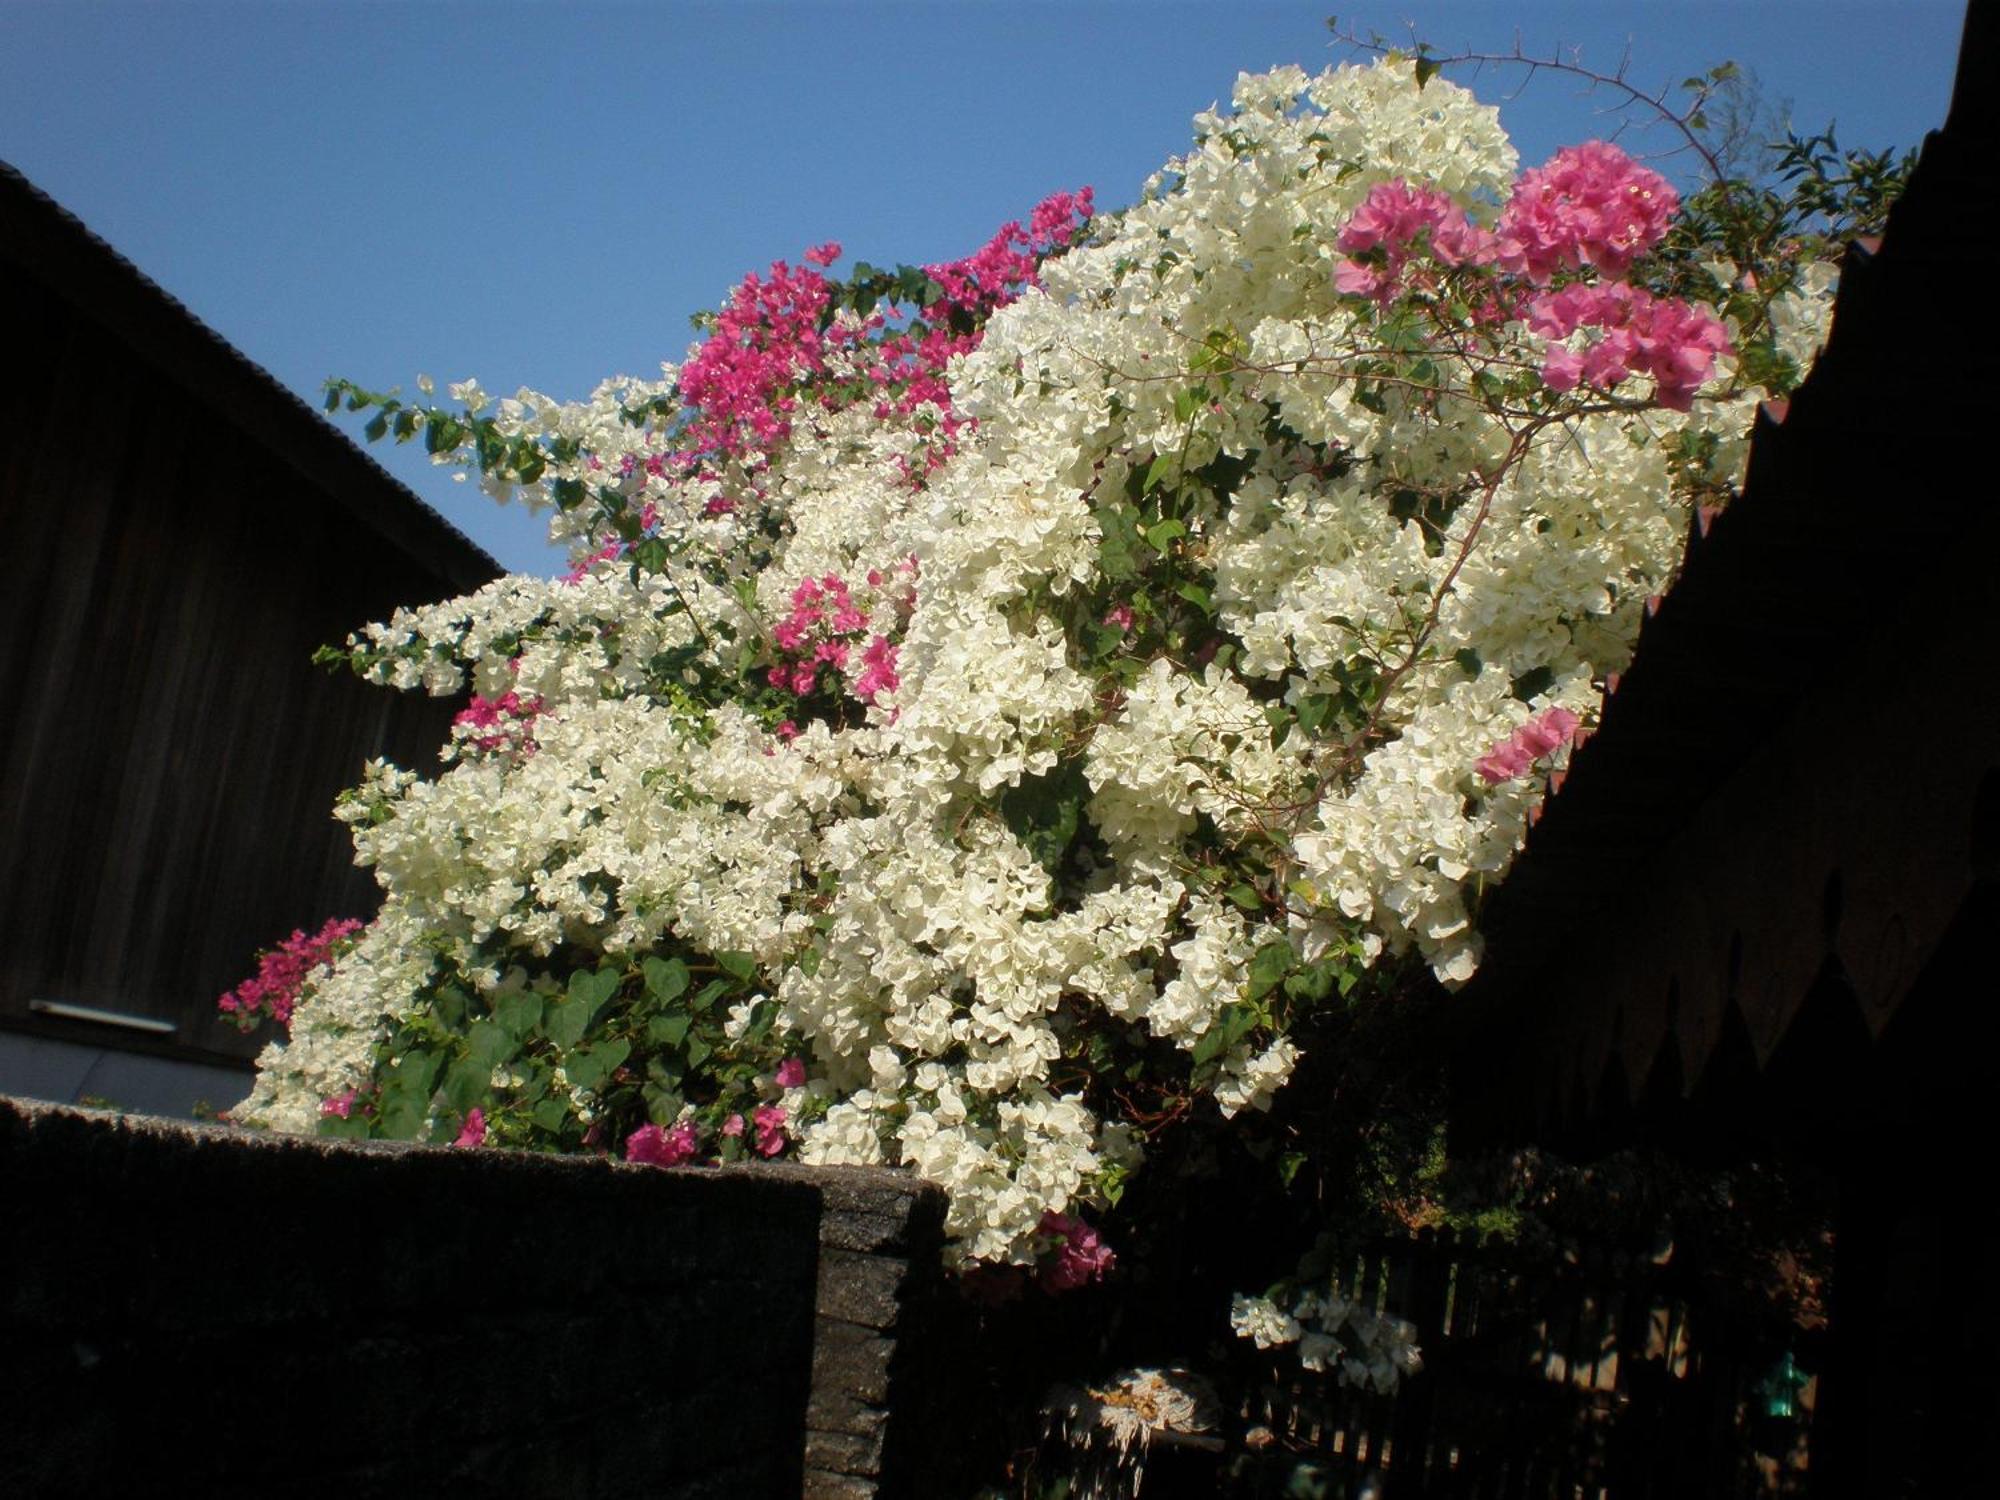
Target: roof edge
x=47 y=241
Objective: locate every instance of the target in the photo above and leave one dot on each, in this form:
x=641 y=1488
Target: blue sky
x=540 y=193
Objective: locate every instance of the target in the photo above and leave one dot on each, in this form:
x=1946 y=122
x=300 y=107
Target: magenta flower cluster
x=776 y=335
x=274 y=989
x=659 y=1147
x=472 y=1134
x=670 y=1146
x=1080 y=1254
x=1541 y=735
x=501 y=723
x=1635 y=333
x=1590 y=206
x=1401 y=222
x=826 y=625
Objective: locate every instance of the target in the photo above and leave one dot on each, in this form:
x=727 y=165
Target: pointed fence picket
x=1586 y=1373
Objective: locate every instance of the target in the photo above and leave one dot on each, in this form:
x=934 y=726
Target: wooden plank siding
x=169 y=756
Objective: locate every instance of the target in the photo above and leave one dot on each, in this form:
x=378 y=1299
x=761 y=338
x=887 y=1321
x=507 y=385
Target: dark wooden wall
x=169 y=756
x=255 y=1315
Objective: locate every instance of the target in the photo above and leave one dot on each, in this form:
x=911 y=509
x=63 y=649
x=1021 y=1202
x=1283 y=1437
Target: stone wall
x=194 y=1309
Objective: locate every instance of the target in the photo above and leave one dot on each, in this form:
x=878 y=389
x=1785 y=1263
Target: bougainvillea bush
x=999 y=705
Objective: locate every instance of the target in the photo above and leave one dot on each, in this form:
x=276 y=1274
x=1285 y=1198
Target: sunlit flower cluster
x=1357 y=1345
x=1092 y=653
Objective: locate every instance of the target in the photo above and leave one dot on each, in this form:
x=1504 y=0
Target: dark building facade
x=178 y=534
x=1753 y=924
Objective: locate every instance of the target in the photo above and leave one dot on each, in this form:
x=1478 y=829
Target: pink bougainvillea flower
x=733 y=1126
x=1396 y=223
x=501 y=723
x=341 y=1105
x=791 y=1073
x=282 y=972
x=878 y=670
x=1081 y=1256
x=1542 y=735
x=1359 y=280
x=1562 y=367
x=1392 y=216
x=1502 y=763
x=1588 y=205
x=770 y=1122
x=663 y=1148
x=474 y=1132
x=1627 y=331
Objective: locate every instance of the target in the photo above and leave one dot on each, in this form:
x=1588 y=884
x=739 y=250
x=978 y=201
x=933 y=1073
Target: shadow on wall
x=257 y=1315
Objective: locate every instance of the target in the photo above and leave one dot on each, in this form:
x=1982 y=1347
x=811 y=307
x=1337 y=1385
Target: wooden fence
x=1587 y=1374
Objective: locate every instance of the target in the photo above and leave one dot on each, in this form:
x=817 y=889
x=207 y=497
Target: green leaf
x=1100 y=640
x=1188 y=401
x=490 y=1043
x=709 y=993
x=741 y=965
x=1245 y=896
x=1156 y=472
x=1198 y=596
x=590 y=1067
x=1313 y=983
x=377 y=425
x=1214 y=354
x=667 y=1031
x=567 y=1020
x=1118 y=547
x=533 y=1085
x=1210 y=1042
x=467 y=1083
x=697 y=1051
x=551 y=1114
x=1314 y=711
x=666 y=978
x=406 y=1095
x=403 y=1119
x=413 y=1074
x=1163 y=534
x=520 y=1012
x=1282 y=721
x=1268 y=967
x=1044 y=812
